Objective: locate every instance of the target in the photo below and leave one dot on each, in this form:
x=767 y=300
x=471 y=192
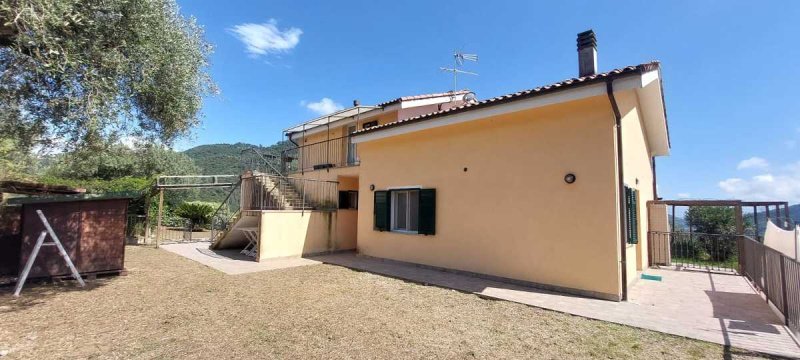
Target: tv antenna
x=458 y=62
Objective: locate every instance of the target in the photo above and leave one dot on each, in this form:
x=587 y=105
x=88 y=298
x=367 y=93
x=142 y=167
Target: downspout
x=655 y=183
x=620 y=188
x=289 y=136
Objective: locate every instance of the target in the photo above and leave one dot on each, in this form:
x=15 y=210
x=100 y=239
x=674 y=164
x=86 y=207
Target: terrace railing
x=718 y=252
x=776 y=275
x=338 y=152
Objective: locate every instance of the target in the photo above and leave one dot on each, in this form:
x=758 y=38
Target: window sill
x=405 y=232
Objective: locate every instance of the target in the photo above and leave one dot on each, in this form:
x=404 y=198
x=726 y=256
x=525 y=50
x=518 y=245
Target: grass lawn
x=171 y=307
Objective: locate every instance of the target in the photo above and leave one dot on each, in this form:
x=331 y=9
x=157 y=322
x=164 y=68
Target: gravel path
x=170 y=307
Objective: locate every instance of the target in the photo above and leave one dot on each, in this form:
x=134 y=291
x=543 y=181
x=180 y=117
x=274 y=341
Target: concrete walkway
x=719 y=308
x=231 y=262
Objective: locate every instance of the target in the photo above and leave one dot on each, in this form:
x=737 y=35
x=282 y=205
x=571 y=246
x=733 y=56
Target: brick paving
x=718 y=308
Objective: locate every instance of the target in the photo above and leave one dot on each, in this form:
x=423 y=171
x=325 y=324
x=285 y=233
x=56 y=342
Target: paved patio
x=719 y=308
x=231 y=261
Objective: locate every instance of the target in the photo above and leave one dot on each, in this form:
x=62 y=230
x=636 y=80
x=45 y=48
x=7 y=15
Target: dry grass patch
x=171 y=307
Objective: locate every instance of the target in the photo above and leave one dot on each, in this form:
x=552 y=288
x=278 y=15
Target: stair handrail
x=223 y=204
x=264 y=160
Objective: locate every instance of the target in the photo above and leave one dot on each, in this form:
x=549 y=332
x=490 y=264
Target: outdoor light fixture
x=372 y=187
x=569 y=178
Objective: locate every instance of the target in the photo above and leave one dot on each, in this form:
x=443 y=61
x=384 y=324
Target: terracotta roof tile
x=569 y=83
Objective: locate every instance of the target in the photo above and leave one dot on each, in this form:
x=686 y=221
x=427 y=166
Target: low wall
x=659 y=245
x=289 y=233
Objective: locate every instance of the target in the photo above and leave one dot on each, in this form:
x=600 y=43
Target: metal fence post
x=765 y=275
x=783 y=287
x=740 y=234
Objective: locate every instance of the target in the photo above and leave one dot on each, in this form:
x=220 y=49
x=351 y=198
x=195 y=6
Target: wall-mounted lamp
x=570 y=178
x=372 y=187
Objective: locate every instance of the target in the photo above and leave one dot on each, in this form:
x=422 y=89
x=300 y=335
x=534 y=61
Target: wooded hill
x=224 y=159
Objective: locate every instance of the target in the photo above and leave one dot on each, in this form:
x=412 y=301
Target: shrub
x=198 y=212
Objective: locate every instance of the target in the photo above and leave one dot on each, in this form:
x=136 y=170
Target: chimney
x=356 y=103
x=587 y=53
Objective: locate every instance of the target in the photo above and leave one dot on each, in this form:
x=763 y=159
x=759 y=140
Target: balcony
x=338 y=152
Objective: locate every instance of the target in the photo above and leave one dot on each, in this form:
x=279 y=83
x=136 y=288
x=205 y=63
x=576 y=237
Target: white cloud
x=766 y=187
x=752 y=163
x=684 y=195
x=323 y=107
x=266 y=38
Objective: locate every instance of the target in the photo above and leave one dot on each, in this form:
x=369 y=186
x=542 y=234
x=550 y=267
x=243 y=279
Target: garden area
x=171 y=307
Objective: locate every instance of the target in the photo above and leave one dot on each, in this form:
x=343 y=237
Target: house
x=546 y=186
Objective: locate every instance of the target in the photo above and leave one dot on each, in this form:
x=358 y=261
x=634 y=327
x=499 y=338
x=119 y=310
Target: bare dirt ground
x=171 y=307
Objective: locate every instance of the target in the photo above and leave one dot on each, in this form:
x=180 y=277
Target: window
x=632 y=214
x=348 y=199
x=406 y=211
x=370 y=124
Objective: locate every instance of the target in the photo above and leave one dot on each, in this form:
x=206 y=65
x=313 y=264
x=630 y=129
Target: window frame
x=393 y=204
x=369 y=124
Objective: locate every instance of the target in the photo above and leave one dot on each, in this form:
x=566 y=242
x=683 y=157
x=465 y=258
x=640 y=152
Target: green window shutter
x=427 y=211
x=381 y=210
x=631 y=215
x=634 y=217
x=628 y=229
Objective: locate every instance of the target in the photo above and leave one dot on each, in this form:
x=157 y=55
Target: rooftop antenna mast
x=458 y=62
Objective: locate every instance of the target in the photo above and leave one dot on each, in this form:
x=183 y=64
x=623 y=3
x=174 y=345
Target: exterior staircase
x=278 y=193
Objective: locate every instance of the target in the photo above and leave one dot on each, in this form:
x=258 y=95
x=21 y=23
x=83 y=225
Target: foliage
x=121 y=161
x=198 y=212
x=710 y=222
x=81 y=72
x=14 y=162
x=126 y=184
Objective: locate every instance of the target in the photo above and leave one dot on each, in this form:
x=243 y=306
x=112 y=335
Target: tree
x=83 y=72
x=715 y=227
x=119 y=161
x=14 y=162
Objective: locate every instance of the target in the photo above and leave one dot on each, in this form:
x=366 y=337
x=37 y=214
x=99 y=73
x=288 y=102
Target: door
x=352 y=149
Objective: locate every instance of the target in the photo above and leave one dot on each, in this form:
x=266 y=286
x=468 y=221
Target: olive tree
x=80 y=73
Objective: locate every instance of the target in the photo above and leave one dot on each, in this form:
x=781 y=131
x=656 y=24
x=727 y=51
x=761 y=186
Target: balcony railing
x=338 y=152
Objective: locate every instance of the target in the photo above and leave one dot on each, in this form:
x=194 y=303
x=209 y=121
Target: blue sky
x=731 y=71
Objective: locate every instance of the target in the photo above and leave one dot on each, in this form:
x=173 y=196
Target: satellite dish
x=470 y=97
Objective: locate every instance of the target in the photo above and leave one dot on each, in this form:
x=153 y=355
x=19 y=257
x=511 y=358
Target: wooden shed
x=92 y=231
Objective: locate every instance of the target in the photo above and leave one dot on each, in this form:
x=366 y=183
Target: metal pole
x=784 y=282
x=755 y=221
x=740 y=236
x=159 y=230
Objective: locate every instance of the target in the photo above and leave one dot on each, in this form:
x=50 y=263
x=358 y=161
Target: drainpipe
x=620 y=188
x=655 y=184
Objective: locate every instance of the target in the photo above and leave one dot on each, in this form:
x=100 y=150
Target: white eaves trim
x=633 y=81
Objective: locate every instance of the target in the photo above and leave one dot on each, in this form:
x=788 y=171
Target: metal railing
x=336 y=152
x=271 y=192
x=718 y=252
x=776 y=275
x=255 y=160
x=228 y=212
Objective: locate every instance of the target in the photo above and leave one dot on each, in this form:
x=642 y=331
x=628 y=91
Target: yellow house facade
x=546 y=187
